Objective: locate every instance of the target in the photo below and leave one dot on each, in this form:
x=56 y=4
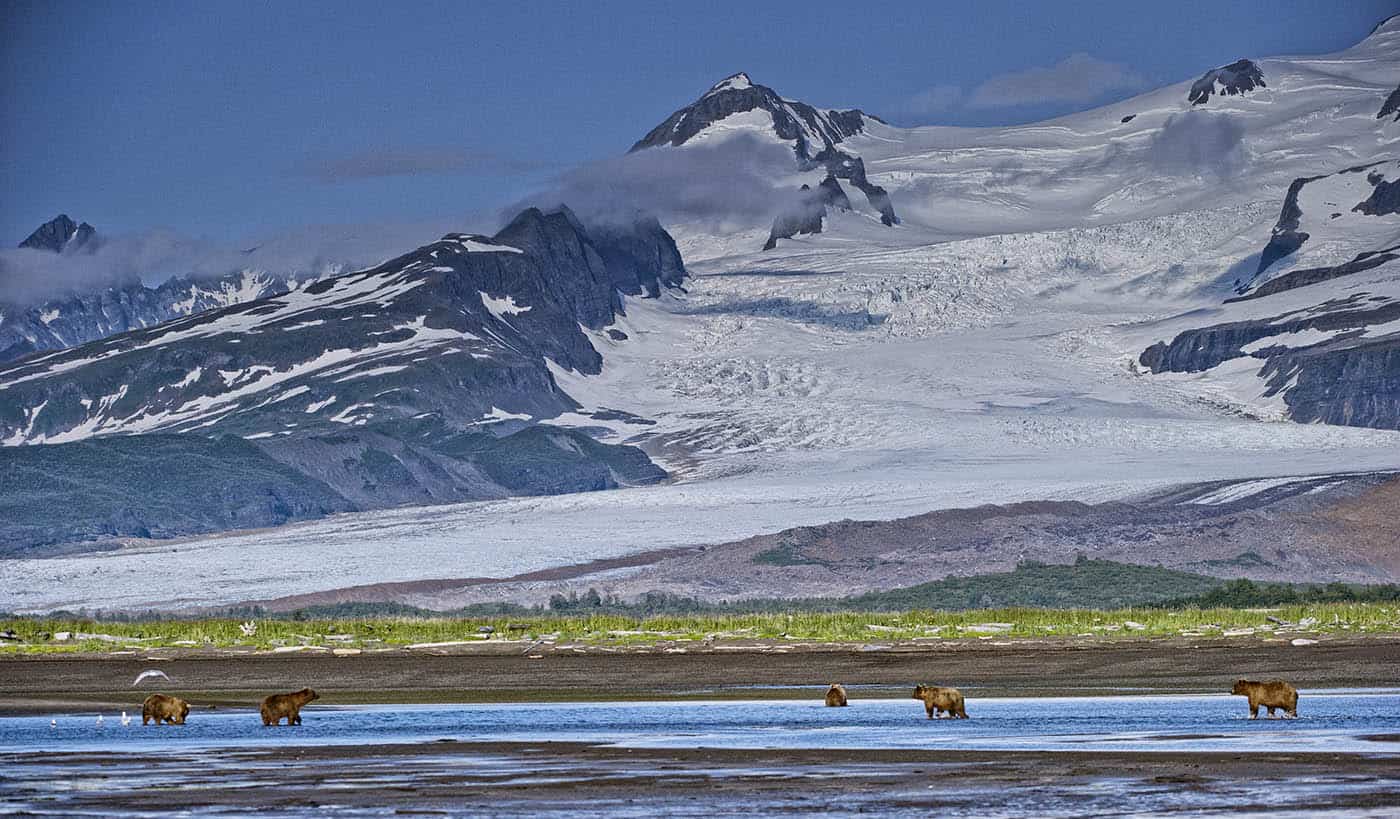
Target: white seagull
x=148 y=673
x=126 y=720
x=99 y=720
x=53 y=723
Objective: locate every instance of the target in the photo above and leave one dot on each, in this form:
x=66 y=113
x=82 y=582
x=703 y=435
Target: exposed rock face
x=1315 y=275
x=814 y=130
x=1335 y=360
x=61 y=235
x=1286 y=237
x=809 y=211
x=641 y=257
x=1208 y=347
x=1391 y=106
x=78 y=318
x=845 y=166
x=1384 y=198
x=1238 y=77
x=392 y=385
x=814 y=133
x=1356 y=384
x=1365 y=185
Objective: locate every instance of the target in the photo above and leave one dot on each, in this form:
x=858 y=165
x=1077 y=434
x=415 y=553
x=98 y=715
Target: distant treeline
x=1084 y=584
x=1236 y=594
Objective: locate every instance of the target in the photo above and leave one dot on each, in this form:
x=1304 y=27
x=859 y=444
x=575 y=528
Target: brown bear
x=940 y=699
x=277 y=706
x=1272 y=694
x=836 y=695
x=163 y=709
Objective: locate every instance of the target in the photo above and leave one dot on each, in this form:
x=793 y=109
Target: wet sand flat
x=507 y=672
x=542 y=779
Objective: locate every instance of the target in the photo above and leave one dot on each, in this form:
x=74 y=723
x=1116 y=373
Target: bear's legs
x=1253 y=709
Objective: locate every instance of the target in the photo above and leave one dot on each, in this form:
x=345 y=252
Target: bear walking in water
x=164 y=709
x=940 y=699
x=836 y=695
x=277 y=706
x=1272 y=694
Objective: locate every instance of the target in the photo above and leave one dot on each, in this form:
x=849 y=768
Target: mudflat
x=576 y=779
x=508 y=672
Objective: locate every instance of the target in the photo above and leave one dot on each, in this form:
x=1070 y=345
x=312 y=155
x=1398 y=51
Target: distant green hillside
x=147 y=486
x=1084 y=584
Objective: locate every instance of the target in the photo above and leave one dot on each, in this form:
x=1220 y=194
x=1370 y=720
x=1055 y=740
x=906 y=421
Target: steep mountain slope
x=397 y=384
x=738 y=106
x=1320 y=317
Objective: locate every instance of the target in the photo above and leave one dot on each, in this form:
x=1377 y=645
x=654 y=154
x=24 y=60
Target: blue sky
x=232 y=121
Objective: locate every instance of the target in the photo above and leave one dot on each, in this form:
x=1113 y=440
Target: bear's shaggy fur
x=277 y=706
x=940 y=699
x=836 y=695
x=164 y=709
x=1271 y=694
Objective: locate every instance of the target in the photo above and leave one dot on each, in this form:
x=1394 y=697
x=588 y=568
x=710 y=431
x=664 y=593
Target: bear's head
x=1241 y=687
x=184 y=712
x=308 y=695
x=919 y=692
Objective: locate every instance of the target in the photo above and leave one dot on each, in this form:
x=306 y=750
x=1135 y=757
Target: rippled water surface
x=1327 y=721
x=390 y=760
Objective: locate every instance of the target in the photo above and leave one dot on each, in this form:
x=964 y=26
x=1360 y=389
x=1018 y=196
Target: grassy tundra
x=64 y=635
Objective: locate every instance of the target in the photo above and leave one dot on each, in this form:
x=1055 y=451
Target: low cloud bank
x=31 y=276
x=726 y=185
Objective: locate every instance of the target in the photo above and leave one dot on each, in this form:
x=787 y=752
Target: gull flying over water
x=147 y=674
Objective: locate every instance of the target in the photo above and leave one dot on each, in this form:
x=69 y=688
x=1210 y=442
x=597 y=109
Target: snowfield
x=888 y=383
x=984 y=351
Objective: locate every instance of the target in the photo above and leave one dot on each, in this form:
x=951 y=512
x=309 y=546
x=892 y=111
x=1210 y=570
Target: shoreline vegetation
x=345 y=636
x=1087 y=599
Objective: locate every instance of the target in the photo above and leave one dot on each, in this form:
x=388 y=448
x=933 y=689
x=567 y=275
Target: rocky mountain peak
x=61 y=234
x=735 y=82
x=811 y=130
x=1238 y=77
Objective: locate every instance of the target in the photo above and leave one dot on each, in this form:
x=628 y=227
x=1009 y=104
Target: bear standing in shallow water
x=1272 y=694
x=836 y=695
x=164 y=709
x=939 y=699
x=277 y=706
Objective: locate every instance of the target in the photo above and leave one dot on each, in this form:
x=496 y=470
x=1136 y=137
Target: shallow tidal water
x=1328 y=721
x=79 y=767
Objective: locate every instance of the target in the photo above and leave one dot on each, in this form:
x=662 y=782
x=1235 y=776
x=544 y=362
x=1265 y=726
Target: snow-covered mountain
x=418 y=380
x=1320 y=316
x=986 y=348
x=1312 y=136
x=817 y=137
x=107 y=308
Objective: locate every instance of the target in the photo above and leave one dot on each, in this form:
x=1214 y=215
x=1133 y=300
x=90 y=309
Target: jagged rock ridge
x=815 y=134
x=1238 y=77
x=61 y=235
